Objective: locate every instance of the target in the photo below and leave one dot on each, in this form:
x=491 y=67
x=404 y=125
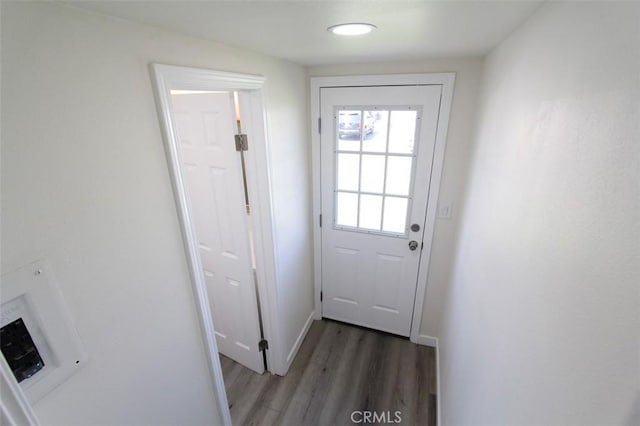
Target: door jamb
x=446 y=80
x=252 y=107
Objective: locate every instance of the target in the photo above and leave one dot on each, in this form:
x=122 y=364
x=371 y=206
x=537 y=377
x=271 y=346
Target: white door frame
x=446 y=80
x=252 y=109
x=15 y=409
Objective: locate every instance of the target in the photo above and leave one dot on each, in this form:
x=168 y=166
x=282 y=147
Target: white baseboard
x=425 y=340
x=299 y=340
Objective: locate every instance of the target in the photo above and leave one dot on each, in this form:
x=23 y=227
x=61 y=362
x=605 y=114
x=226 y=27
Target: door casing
x=252 y=111
x=447 y=81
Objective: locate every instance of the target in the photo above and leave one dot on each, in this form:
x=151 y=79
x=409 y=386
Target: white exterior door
x=212 y=176
x=377 y=147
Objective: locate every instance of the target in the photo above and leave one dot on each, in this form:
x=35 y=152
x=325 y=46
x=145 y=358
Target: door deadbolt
x=415 y=227
x=413 y=245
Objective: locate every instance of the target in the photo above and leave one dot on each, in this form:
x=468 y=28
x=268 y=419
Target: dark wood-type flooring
x=339 y=369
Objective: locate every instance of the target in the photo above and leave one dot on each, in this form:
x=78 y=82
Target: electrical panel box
x=19 y=350
x=38 y=339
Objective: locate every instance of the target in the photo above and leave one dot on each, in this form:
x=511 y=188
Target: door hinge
x=320 y=221
x=319 y=125
x=242 y=143
x=263 y=345
x=321 y=296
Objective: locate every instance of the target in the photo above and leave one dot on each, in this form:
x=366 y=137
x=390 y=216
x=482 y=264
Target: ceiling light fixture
x=351 y=29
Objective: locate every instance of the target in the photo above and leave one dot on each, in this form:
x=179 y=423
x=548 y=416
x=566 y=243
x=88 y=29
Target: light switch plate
x=444 y=210
x=30 y=293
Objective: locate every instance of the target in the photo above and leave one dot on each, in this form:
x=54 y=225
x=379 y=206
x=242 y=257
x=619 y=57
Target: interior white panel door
x=377 y=146
x=212 y=175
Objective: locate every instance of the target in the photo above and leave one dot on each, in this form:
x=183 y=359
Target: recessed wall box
x=38 y=340
x=19 y=350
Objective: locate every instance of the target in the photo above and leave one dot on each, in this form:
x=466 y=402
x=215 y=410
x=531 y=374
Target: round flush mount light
x=351 y=29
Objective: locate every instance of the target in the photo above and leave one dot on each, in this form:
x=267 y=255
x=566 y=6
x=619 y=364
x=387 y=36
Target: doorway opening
x=214 y=131
x=377 y=159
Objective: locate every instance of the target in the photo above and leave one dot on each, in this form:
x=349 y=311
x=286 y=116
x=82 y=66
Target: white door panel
x=377 y=148
x=213 y=180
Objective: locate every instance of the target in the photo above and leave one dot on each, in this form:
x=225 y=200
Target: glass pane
x=372 y=179
x=395 y=215
x=398 y=175
x=348 y=171
x=349 y=130
x=347 y=209
x=370 y=211
x=376 y=139
x=402 y=131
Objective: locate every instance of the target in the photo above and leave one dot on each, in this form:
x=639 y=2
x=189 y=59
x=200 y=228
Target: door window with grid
x=375 y=152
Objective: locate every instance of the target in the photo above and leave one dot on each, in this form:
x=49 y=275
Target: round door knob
x=413 y=245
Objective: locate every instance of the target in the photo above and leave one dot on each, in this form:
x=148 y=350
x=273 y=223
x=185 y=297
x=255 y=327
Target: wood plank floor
x=339 y=369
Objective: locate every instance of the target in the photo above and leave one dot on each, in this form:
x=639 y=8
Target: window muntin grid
x=375 y=153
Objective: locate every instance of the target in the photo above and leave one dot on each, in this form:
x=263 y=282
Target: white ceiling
x=296 y=30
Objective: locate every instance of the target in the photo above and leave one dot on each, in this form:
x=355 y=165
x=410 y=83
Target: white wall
x=85 y=184
x=459 y=141
x=542 y=320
